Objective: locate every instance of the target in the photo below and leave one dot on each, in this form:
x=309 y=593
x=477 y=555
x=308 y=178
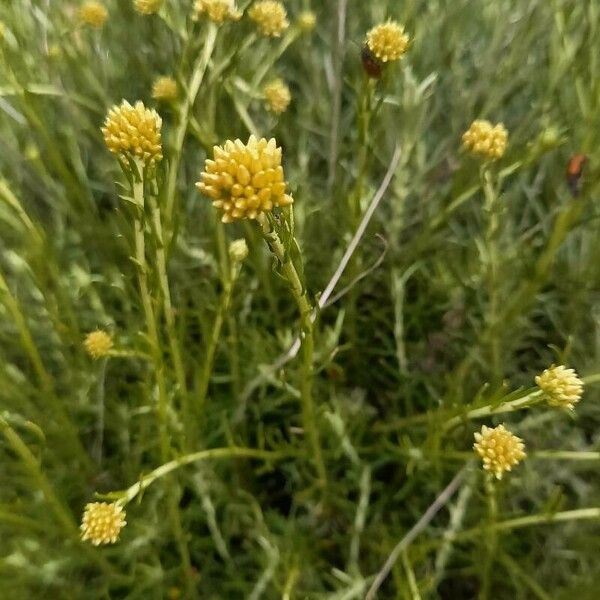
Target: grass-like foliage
x=299 y=300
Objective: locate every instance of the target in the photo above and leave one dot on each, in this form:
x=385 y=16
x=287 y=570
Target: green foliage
x=485 y=277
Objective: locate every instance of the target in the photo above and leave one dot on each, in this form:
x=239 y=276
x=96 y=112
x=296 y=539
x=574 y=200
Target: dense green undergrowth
x=470 y=280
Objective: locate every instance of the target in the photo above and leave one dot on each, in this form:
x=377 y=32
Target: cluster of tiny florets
x=93 y=13
x=245 y=180
x=147 y=7
x=102 y=523
x=164 y=89
x=387 y=41
x=306 y=21
x=561 y=387
x=499 y=449
x=133 y=131
x=238 y=250
x=217 y=11
x=487 y=140
x=270 y=17
x=98 y=343
x=277 y=96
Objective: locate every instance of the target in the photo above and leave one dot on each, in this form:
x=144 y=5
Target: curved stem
x=212 y=454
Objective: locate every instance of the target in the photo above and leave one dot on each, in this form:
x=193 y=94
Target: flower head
x=306 y=21
x=238 y=250
x=387 y=41
x=98 y=343
x=245 y=180
x=147 y=7
x=102 y=522
x=270 y=16
x=561 y=386
x=217 y=11
x=133 y=131
x=164 y=89
x=499 y=449
x=93 y=13
x=484 y=139
x=277 y=96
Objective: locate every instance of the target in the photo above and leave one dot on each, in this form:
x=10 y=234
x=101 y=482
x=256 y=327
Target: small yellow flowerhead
x=102 y=523
x=147 y=7
x=277 y=96
x=93 y=13
x=387 y=41
x=486 y=140
x=98 y=344
x=270 y=17
x=245 y=180
x=499 y=449
x=306 y=21
x=133 y=131
x=238 y=250
x=217 y=11
x=561 y=387
x=164 y=89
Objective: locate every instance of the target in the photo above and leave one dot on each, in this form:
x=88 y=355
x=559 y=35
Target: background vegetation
x=409 y=345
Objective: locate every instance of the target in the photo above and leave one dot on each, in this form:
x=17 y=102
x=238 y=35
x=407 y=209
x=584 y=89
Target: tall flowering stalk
x=247 y=181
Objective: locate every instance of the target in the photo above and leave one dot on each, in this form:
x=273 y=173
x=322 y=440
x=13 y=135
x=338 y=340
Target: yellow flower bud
x=102 y=523
x=164 y=89
x=93 y=13
x=499 y=449
x=270 y=17
x=277 y=96
x=217 y=11
x=561 y=387
x=387 y=41
x=147 y=7
x=486 y=140
x=98 y=344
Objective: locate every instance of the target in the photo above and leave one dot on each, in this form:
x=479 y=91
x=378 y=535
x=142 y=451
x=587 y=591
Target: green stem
x=209 y=356
x=184 y=117
x=148 y=307
x=305 y=308
x=163 y=280
x=202 y=455
x=491 y=264
x=490 y=540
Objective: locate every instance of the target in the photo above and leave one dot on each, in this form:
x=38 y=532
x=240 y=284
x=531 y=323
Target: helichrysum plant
x=102 y=523
x=387 y=42
x=147 y=7
x=217 y=11
x=486 y=140
x=93 y=13
x=245 y=180
x=164 y=89
x=277 y=96
x=499 y=449
x=270 y=17
x=306 y=21
x=561 y=387
x=98 y=344
x=133 y=132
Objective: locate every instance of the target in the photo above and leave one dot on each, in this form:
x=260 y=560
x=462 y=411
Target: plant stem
x=184 y=117
x=305 y=308
x=490 y=540
x=147 y=303
x=163 y=280
x=202 y=455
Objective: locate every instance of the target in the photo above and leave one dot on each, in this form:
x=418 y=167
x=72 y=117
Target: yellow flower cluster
x=102 y=523
x=217 y=11
x=487 y=140
x=245 y=180
x=270 y=17
x=306 y=21
x=98 y=344
x=93 y=13
x=499 y=449
x=164 y=89
x=277 y=96
x=561 y=387
x=387 y=41
x=147 y=7
x=133 y=131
